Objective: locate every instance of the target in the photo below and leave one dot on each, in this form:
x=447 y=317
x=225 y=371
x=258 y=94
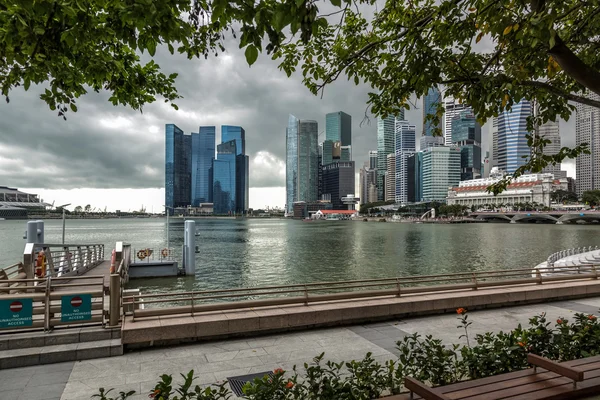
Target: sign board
x=16 y=313
x=76 y=308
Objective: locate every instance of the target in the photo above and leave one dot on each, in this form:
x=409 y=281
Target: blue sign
x=581 y=214
x=76 y=308
x=529 y=215
x=16 y=313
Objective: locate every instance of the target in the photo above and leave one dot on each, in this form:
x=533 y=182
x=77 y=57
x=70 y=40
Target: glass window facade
x=385 y=146
x=466 y=134
x=513 y=150
x=177 y=168
x=237 y=133
x=338 y=128
x=430 y=102
x=302 y=161
x=203 y=154
x=224 y=179
x=338 y=181
x=441 y=170
x=405 y=142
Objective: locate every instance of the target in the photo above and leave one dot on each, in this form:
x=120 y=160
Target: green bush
x=426 y=359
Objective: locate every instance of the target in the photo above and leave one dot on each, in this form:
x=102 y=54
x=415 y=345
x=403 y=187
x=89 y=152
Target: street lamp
x=63 y=218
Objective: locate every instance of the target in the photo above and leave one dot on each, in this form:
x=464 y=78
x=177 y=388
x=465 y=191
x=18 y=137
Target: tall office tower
x=177 y=168
x=551 y=131
x=466 y=135
x=363 y=188
x=441 y=170
x=486 y=168
x=452 y=107
x=493 y=143
x=302 y=161
x=390 y=178
x=338 y=181
x=320 y=172
x=587 y=130
x=430 y=141
x=415 y=177
x=373 y=159
x=513 y=150
x=405 y=145
x=368 y=183
x=237 y=133
x=430 y=102
x=203 y=154
x=338 y=128
x=385 y=145
x=224 y=178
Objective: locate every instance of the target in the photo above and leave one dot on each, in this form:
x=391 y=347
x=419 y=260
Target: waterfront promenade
x=217 y=360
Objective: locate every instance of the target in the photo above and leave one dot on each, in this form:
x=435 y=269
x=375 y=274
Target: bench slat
x=561 y=369
x=422 y=390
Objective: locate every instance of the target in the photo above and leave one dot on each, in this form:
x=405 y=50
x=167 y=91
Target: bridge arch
x=494 y=216
x=530 y=217
x=573 y=218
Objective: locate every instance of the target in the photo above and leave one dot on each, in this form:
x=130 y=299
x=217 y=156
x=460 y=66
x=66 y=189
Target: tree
x=88 y=208
x=563 y=196
x=591 y=197
x=78 y=209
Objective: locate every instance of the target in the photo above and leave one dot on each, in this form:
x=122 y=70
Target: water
x=238 y=253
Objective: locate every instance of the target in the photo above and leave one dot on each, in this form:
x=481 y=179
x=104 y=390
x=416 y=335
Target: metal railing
x=63 y=259
x=149 y=255
x=52 y=301
x=552 y=258
x=156 y=305
x=118 y=281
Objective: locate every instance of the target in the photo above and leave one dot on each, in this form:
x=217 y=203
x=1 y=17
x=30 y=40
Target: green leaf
x=26 y=83
x=171 y=49
x=251 y=54
x=151 y=46
x=73 y=107
x=337 y=3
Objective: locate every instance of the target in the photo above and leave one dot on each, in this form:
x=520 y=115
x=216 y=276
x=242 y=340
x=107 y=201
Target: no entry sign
x=76 y=308
x=16 y=313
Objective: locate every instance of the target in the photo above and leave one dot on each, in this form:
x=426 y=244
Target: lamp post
x=63 y=218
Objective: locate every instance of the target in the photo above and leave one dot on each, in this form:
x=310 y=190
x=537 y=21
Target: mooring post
x=189 y=259
x=115 y=299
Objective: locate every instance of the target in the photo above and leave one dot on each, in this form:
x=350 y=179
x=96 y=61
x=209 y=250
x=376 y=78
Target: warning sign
x=76 y=308
x=16 y=313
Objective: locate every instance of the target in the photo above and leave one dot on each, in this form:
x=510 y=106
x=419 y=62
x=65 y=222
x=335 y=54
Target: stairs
x=36 y=348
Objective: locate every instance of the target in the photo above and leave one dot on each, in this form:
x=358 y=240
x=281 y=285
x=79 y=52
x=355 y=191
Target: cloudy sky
x=113 y=157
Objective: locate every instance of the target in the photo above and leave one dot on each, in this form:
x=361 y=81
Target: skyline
x=102 y=146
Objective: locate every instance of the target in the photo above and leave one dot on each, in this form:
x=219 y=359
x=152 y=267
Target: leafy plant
x=102 y=395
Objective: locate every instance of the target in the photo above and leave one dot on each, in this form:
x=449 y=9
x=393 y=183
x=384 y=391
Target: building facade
x=203 y=154
x=430 y=105
x=452 y=107
x=242 y=190
x=338 y=182
x=441 y=170
x=466 y=135
x=338 y=128
x=224 y=178
x=513 y=150
x=551 y=131
x=529 y=188
x=390 y=178
x=405 y=146
x=385 y=145
x=373 y=159
x=302 y=163
x=587 y=130
x=177 y=168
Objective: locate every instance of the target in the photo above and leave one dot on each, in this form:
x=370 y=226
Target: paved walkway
x=216 y=361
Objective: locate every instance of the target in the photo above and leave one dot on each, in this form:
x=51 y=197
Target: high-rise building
x=551 y=131
x=452 y=107
x=237 y=133
x=405 y=145
x=513 y=150
x=493 y=144
x=390 y=178
x=224 y=178
x=486 y=168
x=338 y=181
x=373 y=159
x=385 y=145
x=430 y=141
x=441 y=171
x=430 y=102
x=203 y=154
x=415 y=177
x=368 y=180
x=338 y=128
x=587 y=130
x=302 y=161
x=466 y=134
x=177 y=168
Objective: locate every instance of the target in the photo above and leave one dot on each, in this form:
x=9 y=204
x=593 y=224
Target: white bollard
x=189 y=259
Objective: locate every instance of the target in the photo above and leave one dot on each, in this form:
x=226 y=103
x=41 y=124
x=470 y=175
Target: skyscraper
x=302 y=164
x=177 y=168
x=430 y=102
x=338 y=181
x=587 y=130
x=385 y=145
x=452 y=107
x=466 y=134
x=373 y=159
x=405 y=138
x=237 y=133
x=224 y=178
x=493 y=160
x=550 y=130
x=390 y=178
x=338 y=128
x=512 y=141
x=203 y=154
x=441 y=170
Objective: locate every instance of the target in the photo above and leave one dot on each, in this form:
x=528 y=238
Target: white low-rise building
x=531 y=188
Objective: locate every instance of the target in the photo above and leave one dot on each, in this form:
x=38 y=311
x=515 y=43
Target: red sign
x=16 y=306
x=76 y=301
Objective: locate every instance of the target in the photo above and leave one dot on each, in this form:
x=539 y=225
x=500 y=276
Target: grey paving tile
x=48 y=378
x=42 y=392
x=577 y=306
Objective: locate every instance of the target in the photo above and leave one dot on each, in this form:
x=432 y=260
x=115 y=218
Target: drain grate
x=238 y=382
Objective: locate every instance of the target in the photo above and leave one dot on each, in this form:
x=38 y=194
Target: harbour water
x=252 y=252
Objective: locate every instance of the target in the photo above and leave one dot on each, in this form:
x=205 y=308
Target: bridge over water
x=549 y=217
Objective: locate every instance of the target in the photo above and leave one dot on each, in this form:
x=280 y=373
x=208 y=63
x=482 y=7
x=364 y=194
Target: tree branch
x=562 y=93
x=572 y=65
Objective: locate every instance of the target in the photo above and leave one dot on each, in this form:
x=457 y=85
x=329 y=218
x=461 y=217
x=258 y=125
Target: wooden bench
x=546 y=380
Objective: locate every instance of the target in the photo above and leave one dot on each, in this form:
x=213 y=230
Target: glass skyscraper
x=441 y=170
x=430 y=102
x=224 y=178
x=513 y=150
x=466 y=134
x=385 y=145
x=405 y=145
x=203 y=154
x=177 y=168
x=237 y=133
x=338 y=128
x=302 y=161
